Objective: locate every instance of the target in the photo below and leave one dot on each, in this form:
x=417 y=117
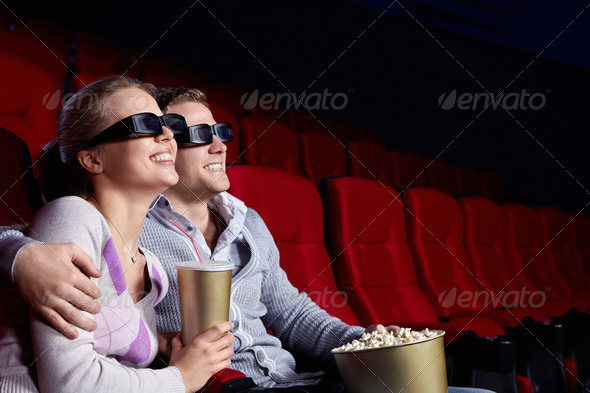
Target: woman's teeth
x=161 y=157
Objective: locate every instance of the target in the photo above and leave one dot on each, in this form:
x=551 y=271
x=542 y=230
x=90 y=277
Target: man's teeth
x=213 y=167
x=161 y=157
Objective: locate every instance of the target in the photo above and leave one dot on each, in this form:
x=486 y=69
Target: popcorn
x=386 y=339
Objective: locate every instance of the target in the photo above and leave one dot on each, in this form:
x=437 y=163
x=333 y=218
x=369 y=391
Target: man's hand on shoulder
x=53 y=280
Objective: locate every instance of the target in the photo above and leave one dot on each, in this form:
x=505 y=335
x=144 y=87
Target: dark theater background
x=420 y=72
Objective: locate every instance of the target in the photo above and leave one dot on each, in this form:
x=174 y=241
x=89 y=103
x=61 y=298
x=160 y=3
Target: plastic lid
x=206 y=265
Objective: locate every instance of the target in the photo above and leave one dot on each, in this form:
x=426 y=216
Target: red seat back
x=582 y=250
x=370 y=160
x=222 y=115
x=558 y=231
x=268 y=142
x=486 y=243
x=322 y=155
x=409 y=170
x=444 y=177
x=54 y=58
x=301 y=120
x=372 y=260
x=526 y=243
x=19 y=195
x=291 y=207
x=227 y=99
x=469 y=181
x=492 y=186
x=26 y=105
x=435 y=236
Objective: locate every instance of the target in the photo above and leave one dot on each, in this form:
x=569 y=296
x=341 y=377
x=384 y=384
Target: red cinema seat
x=486 y=243
x=469 y=181
x=370 y=160
x=322 y=155
x=373 y=263
x=28 y=107
x=229 y=100
x=559 y=235
x=18 y=189
x=582 y=250
x=265 y=141
x=301 y=120
x=341 y=129
x=291 y=207
x=527 y=246
x=434 y=223
x=96 y=55
x=52 y=58
x=492 y=186
x=443 y=177
x=409 y=170
x=222 y=115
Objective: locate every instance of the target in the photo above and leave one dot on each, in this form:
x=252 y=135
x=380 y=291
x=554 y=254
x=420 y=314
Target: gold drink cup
x=204 y=291
x=417 y=367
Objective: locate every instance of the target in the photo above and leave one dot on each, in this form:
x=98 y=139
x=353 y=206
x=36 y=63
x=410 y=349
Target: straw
x=191 y=239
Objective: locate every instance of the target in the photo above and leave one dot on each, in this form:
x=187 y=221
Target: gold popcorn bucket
x=417 y=367
x=204 y=291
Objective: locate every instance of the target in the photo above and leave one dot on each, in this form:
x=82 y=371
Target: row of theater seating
x=296 y=140
x=426 y=257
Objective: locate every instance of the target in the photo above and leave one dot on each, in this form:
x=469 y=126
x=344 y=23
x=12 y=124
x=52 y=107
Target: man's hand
x=381 y=329
x=53 y=280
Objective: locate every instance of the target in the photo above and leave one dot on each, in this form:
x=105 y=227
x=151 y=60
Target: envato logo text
x=310 y=101
x=481 y=101
x=327 y=298
x=508 y=299
x=138 y=103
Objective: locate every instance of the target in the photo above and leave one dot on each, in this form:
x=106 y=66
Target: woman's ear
x=91 y=161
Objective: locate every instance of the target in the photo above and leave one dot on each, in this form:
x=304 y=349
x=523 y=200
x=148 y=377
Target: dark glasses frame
x=202 y=134
x=134 y=126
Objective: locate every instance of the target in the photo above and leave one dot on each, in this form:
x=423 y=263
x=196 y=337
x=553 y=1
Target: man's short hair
x=168 y=96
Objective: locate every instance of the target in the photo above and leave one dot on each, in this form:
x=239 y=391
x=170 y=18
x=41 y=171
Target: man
x=197 y=213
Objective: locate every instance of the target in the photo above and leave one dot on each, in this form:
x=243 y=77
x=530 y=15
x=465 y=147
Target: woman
x=119 y=151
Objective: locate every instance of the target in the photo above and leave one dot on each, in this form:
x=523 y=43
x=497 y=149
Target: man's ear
x=91 y=161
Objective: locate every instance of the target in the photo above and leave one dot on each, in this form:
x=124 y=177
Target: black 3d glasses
x=141 y=124
x=202 y=134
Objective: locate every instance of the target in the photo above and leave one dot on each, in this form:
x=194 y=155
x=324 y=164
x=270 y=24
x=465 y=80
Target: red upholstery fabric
x=485 y=241
x=267 y=142
x=96 y=55
x=341 y=129
x=558 y=230
x=582 y=250
x=54 y=58
x=373 y=262
x=469 y=181
x=409 y=170
x=435 y=234
x=370 y=160
x=301 y=120
x=223 y=115
x=322 y=155
x=524 y=384
x=492 y=186
x=215 y=383
x=291 y=207
x=25 y=107
x=527 y=247
x=571 y=373
x=229 y=100
x=444 y=177
x=18 y=189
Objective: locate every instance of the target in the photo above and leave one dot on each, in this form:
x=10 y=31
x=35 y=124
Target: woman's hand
x=204 y=356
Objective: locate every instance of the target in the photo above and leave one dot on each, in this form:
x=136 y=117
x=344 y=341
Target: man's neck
x=197 y=211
